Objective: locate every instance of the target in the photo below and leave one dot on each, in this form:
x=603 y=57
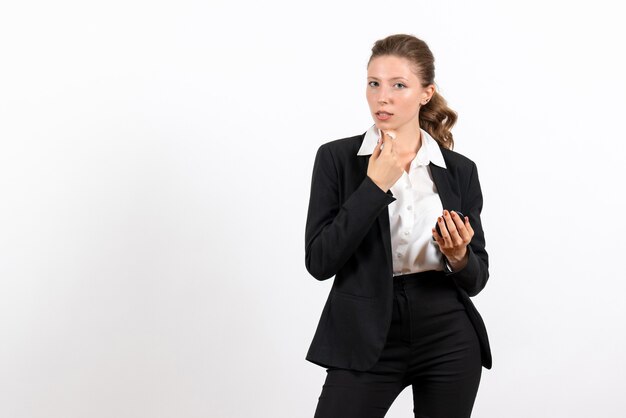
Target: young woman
x=399 y=311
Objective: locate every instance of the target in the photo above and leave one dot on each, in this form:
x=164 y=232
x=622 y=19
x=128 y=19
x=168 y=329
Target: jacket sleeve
x=334 y=229
x=473 y=277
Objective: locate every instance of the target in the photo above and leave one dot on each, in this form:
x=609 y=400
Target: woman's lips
x=383 y=115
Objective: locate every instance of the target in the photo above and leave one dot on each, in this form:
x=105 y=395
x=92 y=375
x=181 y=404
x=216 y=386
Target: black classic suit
x=348 y=236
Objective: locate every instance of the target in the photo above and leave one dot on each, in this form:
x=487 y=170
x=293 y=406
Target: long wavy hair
x=435 y=117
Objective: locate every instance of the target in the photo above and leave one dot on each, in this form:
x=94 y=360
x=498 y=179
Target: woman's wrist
x=460 y=263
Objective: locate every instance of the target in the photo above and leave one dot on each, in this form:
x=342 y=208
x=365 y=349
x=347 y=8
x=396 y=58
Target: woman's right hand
x=383 y=167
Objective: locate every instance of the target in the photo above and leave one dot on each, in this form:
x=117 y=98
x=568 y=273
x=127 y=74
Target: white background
x=155 y=168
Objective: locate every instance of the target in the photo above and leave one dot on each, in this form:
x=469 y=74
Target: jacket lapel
x=449 y=199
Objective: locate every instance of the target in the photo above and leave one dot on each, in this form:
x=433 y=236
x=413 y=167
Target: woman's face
x=392 y=87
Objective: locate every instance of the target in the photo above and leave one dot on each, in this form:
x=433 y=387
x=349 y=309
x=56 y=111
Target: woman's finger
x=386 y=143
x=469 y=227
x=435 y=234
x=455 y=238
x=445 y=236
x=460 y=227
x=437 y=238
x=376 y=151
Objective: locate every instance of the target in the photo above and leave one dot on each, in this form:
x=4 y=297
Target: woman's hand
x=454 y=239
x=384 y=167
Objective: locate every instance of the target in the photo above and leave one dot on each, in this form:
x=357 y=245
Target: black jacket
x=348 y=236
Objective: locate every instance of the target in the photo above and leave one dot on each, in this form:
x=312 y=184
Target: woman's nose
x=383 y=96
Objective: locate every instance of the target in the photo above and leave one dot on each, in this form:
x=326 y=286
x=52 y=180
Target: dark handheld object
x=437 y=223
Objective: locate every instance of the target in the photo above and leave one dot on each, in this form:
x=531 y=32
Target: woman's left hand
x=454 y=239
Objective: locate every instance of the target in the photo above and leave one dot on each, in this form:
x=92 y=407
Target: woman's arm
x=334 y=230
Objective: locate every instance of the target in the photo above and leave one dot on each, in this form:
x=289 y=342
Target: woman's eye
x=375 y=83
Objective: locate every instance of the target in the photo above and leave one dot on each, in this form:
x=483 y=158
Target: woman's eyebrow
x=393 y=78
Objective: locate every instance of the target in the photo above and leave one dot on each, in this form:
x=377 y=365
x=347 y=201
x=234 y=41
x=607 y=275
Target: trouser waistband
x=402 y=279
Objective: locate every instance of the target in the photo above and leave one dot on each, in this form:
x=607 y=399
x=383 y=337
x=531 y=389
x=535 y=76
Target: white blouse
x=414 y=212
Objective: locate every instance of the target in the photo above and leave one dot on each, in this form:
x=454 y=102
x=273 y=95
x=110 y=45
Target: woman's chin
x=385 y=125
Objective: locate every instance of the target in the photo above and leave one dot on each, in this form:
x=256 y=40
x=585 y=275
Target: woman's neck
x=408 y=141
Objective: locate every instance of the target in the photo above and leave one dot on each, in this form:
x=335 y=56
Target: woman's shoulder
x=345 y=144
x=456 y=160
x=342 y=148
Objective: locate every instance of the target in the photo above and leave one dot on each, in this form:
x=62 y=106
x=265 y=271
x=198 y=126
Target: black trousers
x=431 y=346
